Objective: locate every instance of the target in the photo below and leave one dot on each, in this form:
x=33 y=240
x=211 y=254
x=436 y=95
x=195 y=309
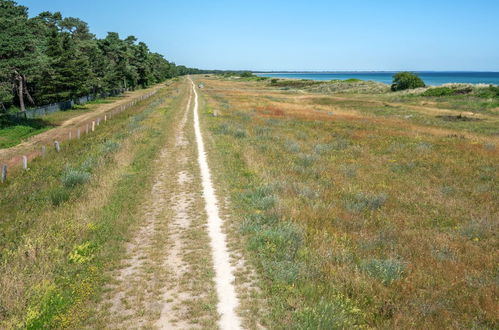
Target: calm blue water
x=430 y=78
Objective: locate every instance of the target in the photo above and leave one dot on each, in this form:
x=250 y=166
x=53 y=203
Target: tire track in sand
x=224 y=272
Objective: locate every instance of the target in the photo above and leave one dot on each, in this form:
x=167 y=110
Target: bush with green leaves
x=439 y=91
x=247 y=74
x=490 y=92
x=406 y=80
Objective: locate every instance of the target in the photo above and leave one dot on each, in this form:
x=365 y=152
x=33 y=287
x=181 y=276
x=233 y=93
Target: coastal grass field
x=66 y=220
x=355 y=206
x=360 y=207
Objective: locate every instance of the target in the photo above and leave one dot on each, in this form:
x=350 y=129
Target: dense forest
x=50 y=58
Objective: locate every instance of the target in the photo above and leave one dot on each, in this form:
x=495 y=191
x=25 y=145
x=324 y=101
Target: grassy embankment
x=65 y=220
x=356 y=213
x=14 y=130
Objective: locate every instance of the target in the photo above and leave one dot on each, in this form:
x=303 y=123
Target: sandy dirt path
x=224 y=278
x=176 y=272
x=32 y=145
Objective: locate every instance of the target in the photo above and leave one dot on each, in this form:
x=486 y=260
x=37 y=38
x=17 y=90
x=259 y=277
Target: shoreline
x=385 y=77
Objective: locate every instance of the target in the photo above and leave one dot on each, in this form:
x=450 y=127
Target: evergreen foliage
x=50 y=58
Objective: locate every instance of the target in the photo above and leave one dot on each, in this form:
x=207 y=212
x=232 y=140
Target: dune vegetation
x=371 y=209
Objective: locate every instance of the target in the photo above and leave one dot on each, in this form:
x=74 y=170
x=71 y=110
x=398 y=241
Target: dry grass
x=356 y=213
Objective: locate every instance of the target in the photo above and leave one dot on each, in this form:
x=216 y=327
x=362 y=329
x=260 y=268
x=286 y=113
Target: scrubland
x=355 y=207
x=361 y=208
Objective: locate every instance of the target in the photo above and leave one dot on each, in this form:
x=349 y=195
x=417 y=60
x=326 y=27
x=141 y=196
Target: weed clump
x=403 y=167
x=340 y=144
x=292 y=146
x=225 y=129
x=385 y=270
x=239 y=133
x=263 y=131
x=336 y=313
x=323 y=148
x=363 y=202
x=477 y=229
x=110 y=147
x=260 y=198
x=82 y=253
x=88 y=165
x=350 y=171
x=59 y=196
x=74 y=177
x=279 y=245
x=306 y=160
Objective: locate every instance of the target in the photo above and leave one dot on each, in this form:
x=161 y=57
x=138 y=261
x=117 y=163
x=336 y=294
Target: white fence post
x=93 y=126
x=4 y=173
x=25 y=162
x=57 y=146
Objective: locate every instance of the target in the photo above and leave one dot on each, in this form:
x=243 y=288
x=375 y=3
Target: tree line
x=51 y=58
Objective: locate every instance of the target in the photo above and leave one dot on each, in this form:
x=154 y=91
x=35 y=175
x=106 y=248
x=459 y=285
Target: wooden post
x=105 y=118
x=44 y=149
x=4 y=173
x=70 y=136
x=57 y=146
x=78 y=133
x=25 y=162
x=93 y=126
x=86 y=129
x=98 y=121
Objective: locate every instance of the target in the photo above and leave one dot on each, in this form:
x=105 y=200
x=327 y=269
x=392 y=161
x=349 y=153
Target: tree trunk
x=20 y=92
x=26 y=91
x=20 y=89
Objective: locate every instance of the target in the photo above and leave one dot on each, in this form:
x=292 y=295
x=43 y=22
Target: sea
x=432 y=78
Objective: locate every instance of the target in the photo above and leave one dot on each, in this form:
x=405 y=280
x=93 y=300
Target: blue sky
x=302 y=35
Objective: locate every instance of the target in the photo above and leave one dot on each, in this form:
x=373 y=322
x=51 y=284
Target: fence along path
x=64 y=105
x=76 y=132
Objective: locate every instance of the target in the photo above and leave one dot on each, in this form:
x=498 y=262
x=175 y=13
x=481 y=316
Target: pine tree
x=18 y=52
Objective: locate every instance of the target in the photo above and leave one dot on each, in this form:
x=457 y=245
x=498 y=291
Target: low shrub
x=363 y=202
x=73 y=177
x=322 y=148
x=260 y=198
x=351 y=80
x=477 y=229
x=439 y=91
x=448 y=91
x=278 y=243
x=292 y=146
x=385 y=270
x=110 y=147
x=490 y=92
x=306 y=160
